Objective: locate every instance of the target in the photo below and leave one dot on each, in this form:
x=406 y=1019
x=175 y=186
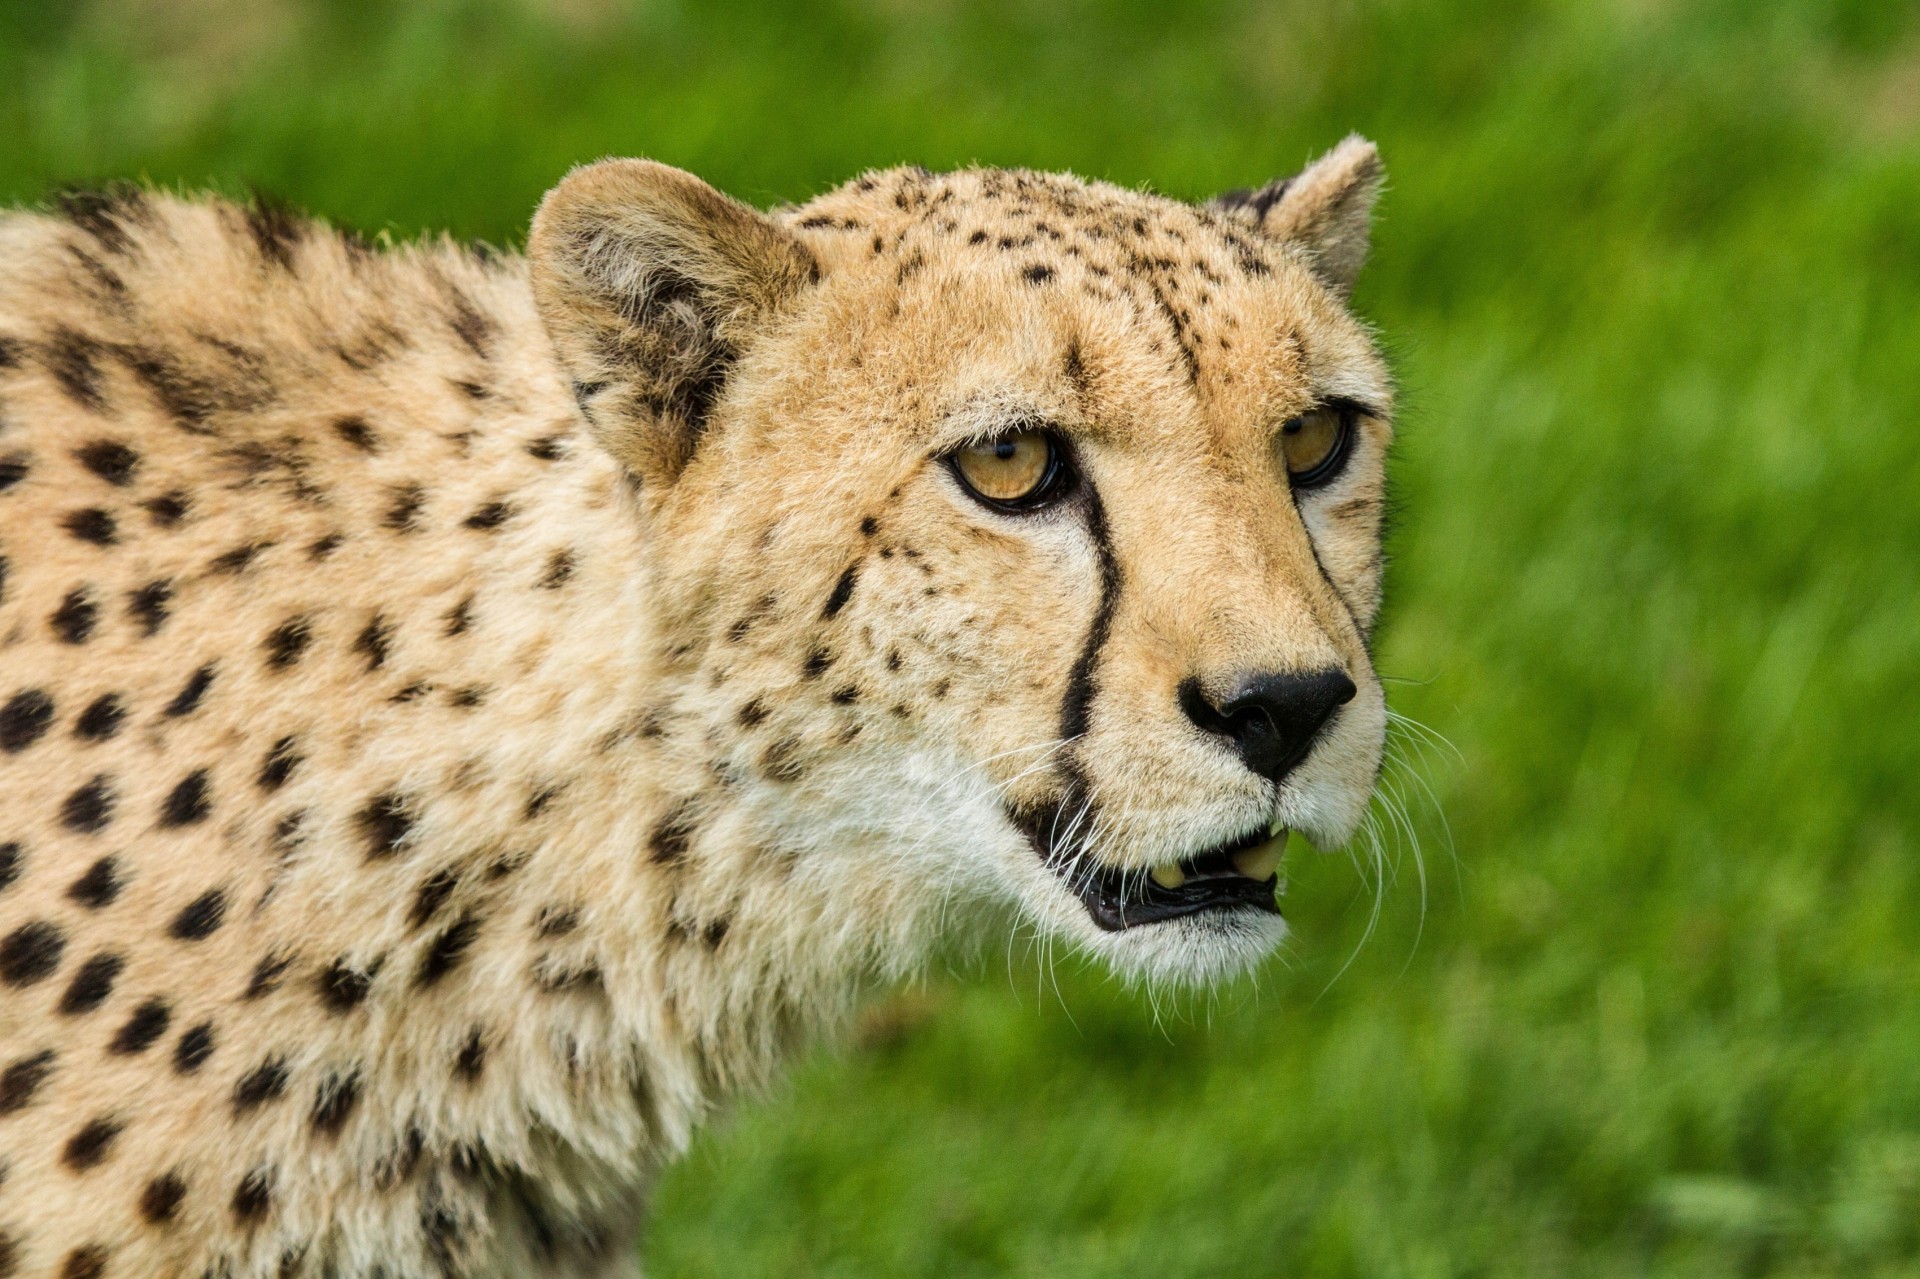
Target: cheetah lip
x=1241 y=873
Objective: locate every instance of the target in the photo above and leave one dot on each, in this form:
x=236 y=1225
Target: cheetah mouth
x=1241 y=874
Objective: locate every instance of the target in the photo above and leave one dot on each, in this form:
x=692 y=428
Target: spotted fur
x=462 y=716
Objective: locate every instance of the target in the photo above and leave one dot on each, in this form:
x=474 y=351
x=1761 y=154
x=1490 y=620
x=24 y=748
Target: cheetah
x=464 y=715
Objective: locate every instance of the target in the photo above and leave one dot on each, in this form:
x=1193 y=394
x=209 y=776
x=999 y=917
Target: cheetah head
x=1016 y=538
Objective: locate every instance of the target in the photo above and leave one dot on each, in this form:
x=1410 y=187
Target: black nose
x=1271 y=717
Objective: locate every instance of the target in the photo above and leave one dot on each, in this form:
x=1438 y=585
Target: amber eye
x=1019 y=470
x=1316 y=445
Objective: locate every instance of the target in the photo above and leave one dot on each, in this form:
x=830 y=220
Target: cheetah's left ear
x=1326 y=209
x=651 y=283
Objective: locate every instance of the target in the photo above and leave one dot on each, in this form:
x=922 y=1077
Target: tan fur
x=605 y=681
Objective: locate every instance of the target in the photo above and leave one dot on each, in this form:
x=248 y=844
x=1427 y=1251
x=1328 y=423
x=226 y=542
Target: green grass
x=1650 y=273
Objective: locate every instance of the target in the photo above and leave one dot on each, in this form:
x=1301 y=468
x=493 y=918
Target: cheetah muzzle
x=464 y=715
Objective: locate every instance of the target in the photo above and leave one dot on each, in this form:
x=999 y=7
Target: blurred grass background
x=1650 y=273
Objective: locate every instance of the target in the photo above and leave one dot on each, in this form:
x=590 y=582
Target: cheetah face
x=1019 y=536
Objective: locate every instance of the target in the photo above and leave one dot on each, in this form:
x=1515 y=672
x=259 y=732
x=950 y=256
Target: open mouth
x=1238 y=874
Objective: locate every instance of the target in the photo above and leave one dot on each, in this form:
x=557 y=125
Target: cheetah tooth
x=1262 y=860
x=1168 y=876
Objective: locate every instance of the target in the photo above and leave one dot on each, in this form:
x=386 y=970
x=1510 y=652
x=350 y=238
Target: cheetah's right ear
x=1326 y=209
x=651 y=283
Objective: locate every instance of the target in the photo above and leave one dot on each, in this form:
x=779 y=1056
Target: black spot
x=385 y=822
x=111 y=460
x=264 y=1083
x=781 y=761
x=374 y=642
x=752 y=713
x=13 y=469
x=559 y=569
x=333 y=1102
x=237 y=560
x=10 y=859
x=253 y=1197
x=70 y=356
x=276 y=229
x=168 y=509
x=538 y=801
x=30 y=953
x=87 y=1262
x=287 y=642
x=281 y=760
x=92 y=983
x=557 y=921
x=842 y=592
x=343 y=987
x=191 y=693
x=89 y=809
x=73 y=621
x=404 y=513
x=188 y=802
x=325 y=546
x=101 y=719
x=446 y=951
x=399 y=1163
x=24 y=719
x=1038 y=274
x=148 y=1022
x=195 y=1046
x=356 y=432
x=978 y=237
x=671 y=838
x=99 y=886
x=161 y=1198
x=818 y=660
x=468 y=698
x=21 y=1080
x=846 y=694
x=473 y=1057
x=893 y=659
x=148 y=605
x=716 y=932
x=431 y=896
x=489 y=517
x=869 y=526
x=286 y=831
x=201 y=917
x=460 y=617
x=548 y=448
x=89 y=1147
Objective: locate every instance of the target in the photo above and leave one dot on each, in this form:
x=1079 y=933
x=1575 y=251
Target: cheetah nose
x=1271 y=717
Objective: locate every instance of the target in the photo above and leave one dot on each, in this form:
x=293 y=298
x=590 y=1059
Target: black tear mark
x=1077 y=706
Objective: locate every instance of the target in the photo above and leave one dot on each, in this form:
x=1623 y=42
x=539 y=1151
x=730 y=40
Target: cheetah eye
x=1316 y=444
x=1018 y=471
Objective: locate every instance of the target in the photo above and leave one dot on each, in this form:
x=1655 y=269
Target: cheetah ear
x=1326 y=209
x=650 y=284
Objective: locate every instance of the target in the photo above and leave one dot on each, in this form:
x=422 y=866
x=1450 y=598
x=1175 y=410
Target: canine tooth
x=1260 y=861
x=1168 y=876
